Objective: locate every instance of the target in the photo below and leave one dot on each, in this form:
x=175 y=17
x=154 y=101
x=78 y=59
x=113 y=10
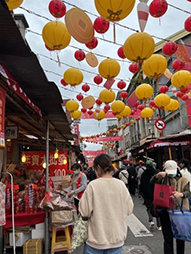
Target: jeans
x=90 y=250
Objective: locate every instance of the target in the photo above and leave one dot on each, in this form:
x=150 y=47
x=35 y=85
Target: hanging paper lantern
x=83 y=110
x=155 y=66
x=139 y=47
x=57 y=8
x=98 y=102
x=134 y=67
x=120 y=53
x=79 y=97
x=187 y=24
x=62 y=81
x=179 y=94
x=79 y=55
x=137 y=119
x=172 y=106
x=92 y=44
x=146 y=112
x=13 y=4
x=107 y=96
x=136 y=104
x=76 y=114
x=185 y=97
x=123 y=95
x=126 y=112
x=73 y=76
x=163 y=89
x=132 y=121
x=98 y=79
x=121 y=84
x=109 y=68
x=162 y=100
x=72 y=105
x=144 y=91
x=117 y=106
x=177 y=65
x=90 y=112
x=169 y=48
x=99 y=116
x=127 y=124
x=106 y=108
x=141 y=107
x=157 y=8
x=85 y=88
x=111 y=131
x=143 y=13
x=118 y=128
x=115 y=130
x=56 y=35
x=181 y=79
x=101 y=25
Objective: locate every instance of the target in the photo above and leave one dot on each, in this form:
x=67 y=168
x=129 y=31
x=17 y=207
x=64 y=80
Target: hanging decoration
x=162 y=100
x=88 y=102
x=117 y=106
x=107 y=96
x=144 y=91
x=85 y=88
x=126 y=112
x=164 y=89
x=109 y=68
x=121 y=84
x=57 y=8
x=72 y=105
x=92 y=44
x=177 y=65
x=101 y=25
x=172 y=106
x=73 y=76
x=83 y=110
x=123 y=94
x=79 y=55
x=13 y=4
x=120 y=53
x=98 y=79
x=107 y=108
x=63 y=82
x=79 y=97
x=91 y=59
x=187 y=24
x=143 y=14
x=49 y=49
x=181 y=79
x=134 y=67
x=169 y=48
x=147 y=113
x=76 y=114
x=157 y=8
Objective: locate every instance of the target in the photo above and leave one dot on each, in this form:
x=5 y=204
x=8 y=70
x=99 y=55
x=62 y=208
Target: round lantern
x=98 y=102
x=90 y=112
x=98 y=79
x=169 y=48
x=109 y=68
x=92 y=44
x=56 y=35
x=79 y=97
x=99 y=116
x=172 y=106
x=107 y=96
x=73 y=76
x=117 y=106
x=177 y=65
x=72 y=105
x=162 y=100
x=13 y=4
x=123 y=95
x=146 y=112
x=163 y=89
x=79 y=55
x=184 y=97
x=62 y=81
x=181 y=79
x=115 y=130
x=157 y=8
x=114 y=10
x=127 y=124
x=76 y=114
x=85 y=88
x=83 y=110
x=141 y=107
x=120 y=53
x=187 y=24
x=132 y=121
x=134 y=67
x=139 y=47
x=101 y=25
x=121 y=84
x=144 y=91
x=106 y=108
x=57 y=8
x=126 y=112
x=155 y=66
x=118 y=128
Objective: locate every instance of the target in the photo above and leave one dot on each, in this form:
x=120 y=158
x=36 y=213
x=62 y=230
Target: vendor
x=42 y=180
x=78 y=184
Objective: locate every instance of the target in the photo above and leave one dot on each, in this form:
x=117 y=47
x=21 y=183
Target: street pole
x=47 y=178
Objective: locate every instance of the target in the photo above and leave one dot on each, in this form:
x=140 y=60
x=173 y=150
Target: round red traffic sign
x=160 y=124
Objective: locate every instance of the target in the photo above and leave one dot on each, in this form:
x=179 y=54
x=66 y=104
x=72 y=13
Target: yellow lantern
x=72 y=105
x=99 y=116
x=162 y=100
x=115 y=129
x=109 y=68
x=181 y=79
x=13 y=4
x=107 y=132
x=118 y=116
x=155 y=66
x=76 y=114
x=107 y=96
x=132 y=121
x=126 y=112
x=123 y=126
x=55 y=35
x=114 y=10
x=73 y=76
x=146 y=112
x=144 y=91
x=172 y=106
x=139 y=47
x=117 y=106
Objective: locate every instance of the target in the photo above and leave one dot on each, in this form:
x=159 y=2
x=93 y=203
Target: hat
x=149 y=163
x=140 y=161
x=185 y=161
x=123 y=167
x=170 y=167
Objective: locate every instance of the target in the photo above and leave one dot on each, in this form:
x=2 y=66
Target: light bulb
x=65 y=161
x=44 y=165
x=23 y=158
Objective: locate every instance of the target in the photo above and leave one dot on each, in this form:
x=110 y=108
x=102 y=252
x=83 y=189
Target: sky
x=37 y=15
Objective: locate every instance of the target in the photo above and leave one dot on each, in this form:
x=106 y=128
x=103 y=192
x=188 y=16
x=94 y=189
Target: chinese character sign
x=35 y=160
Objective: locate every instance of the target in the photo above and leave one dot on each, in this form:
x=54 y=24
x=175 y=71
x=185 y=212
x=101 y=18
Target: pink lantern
x=185 y=97
x=57 y=8
x=79 y=55
x=92 y=44
x=134 y=67
x=120 y=53
x=101 y=25
x=157 y=8
x=169 y=48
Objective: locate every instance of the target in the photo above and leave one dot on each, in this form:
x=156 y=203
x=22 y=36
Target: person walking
x=140 y=170
x=182 y=192
x=132 y=178
x=147 y=190
x=107 y=203
x=184 y=170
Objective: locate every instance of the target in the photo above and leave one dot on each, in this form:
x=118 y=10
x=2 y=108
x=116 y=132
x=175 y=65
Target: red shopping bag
x=162 y=193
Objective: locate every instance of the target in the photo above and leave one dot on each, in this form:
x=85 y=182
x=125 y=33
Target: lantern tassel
x=114 y=34
x=59 y=63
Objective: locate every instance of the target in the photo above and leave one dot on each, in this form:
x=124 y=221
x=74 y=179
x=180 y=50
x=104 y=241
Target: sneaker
x=159 y=228
x=151 y=225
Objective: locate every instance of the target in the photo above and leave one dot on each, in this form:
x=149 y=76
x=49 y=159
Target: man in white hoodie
x=184 y=169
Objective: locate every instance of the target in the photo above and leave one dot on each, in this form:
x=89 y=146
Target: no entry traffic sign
x=160 y=124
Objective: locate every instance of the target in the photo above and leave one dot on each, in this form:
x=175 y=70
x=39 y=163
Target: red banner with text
x=105 y=139
x=92 y=153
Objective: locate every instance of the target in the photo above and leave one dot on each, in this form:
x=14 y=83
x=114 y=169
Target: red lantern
x=185 y=97
x=111 y=131
x=132 y=111
x=90 y=107
x=134 y=67
x=79 y=97
x=119 y=128
x=98 y=102
x=176 y=65
x=163 y=89
x=92 y=44
x=101 y=25
x=121 y=84
x=98 y=79
x=179 y=94
x=120 y=53
x=127 y=124
x=63 y=82
x=57 y=8
x=124 y=95
x=106 y=108
x=97 y=135
x=90 y=112
x=137 y=119
x=48 y=48
x=187 y=24
x=85 y=88
x=157 y=8
x=83 y=110
x=141 y=107
x=136 y=104
x=79 y=55
x=169 y=48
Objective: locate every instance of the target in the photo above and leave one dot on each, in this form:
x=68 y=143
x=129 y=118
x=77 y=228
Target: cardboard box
x=20 y=238
x=33 y=246
x=63 y=216
x=40 y=225
x=37 y=233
